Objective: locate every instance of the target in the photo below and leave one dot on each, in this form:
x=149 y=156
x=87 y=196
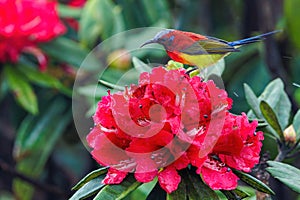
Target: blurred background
x=41 y=154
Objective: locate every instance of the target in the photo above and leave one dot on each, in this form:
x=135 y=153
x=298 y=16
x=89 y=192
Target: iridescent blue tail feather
x=252 y=39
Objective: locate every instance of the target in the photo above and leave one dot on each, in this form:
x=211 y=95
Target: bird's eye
x=163 y=39
x=171 y=38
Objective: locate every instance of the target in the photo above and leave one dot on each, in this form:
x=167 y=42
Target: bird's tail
x=252 y=39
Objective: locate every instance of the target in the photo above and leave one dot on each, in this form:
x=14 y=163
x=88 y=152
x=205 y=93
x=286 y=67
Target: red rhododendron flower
x=168 y=121
x=25 y=23
x=148 y=129
x=238 y=147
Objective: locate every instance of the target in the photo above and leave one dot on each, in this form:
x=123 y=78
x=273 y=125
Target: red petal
x=248 y=157
x=145 y=177
x=218 y=177
x=114 y=176
x=107 y=153
x=229 y=144
x=193 y=155
x=169 y=179
x=145 y=164
x=182 y=162
x=103 y=114
x=157 y=74
x=146 y=170
x=240 y=145
x=148 y=145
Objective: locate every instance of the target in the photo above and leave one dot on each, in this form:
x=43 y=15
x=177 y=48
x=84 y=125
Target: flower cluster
x=23 y=24
x=167 y=122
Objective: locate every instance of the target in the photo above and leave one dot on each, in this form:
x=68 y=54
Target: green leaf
x=35 y=129
x=271 y=118
x=283 y=109
x=241 y=193
x=5 y=195
x=287 y=174
x=180 y=193
x=253 y=182
x=3 y=86
x=89 y=177
x=119 y=25
x=297 y=95
x=43 y=79
x=68 y=11
x=216 y=69
x=119 y=191
x=262 y=125
x=35 y=140
x=93 y=91
x=252 y=100
x=97 y=20
x=296 y=124
x=143 y=191
x=276 y=97
x=156 y=10
x=21 y=89
x=140 y=66
x=69 y=51
x=199 y=190
x=230 y=194
x=272 y=92
x=111 y=85
x=293 y=26
x=278 y=100
x=235 y=194
x=89 y=188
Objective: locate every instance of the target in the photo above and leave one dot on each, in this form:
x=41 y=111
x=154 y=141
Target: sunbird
x=199 y=50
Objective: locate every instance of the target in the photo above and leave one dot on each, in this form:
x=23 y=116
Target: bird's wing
x=209 y=46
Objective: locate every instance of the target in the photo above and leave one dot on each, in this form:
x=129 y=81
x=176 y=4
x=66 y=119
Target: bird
x=198 y=50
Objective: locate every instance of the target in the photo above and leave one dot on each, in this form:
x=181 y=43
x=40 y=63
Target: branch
x=37 y=184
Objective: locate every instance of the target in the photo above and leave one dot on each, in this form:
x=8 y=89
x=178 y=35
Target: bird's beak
x=148 y=42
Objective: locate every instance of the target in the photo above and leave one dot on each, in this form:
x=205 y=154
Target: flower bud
x=290 y=134
x=119 y=59
x=174 y=65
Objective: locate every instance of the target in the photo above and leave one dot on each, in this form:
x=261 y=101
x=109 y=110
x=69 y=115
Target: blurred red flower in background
x=75 y=4
x=24 y=24
x=167 y=122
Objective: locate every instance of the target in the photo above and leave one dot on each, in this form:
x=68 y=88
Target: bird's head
x=165 y=37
